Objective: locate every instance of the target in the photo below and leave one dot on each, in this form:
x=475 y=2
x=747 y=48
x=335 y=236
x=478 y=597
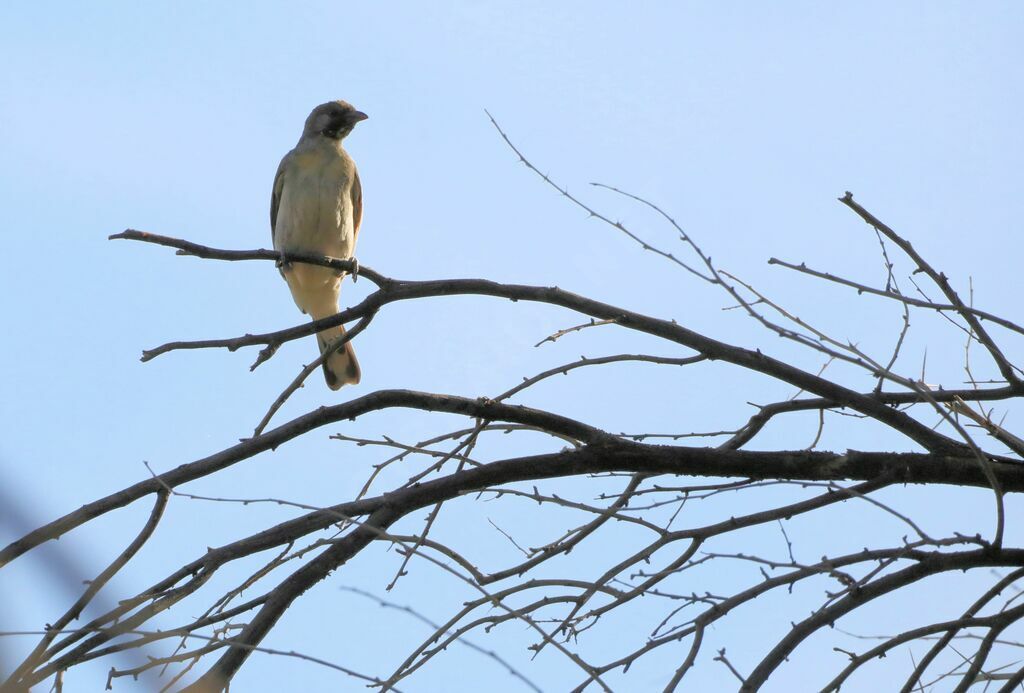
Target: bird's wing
x=357 y=202
x=275 y=195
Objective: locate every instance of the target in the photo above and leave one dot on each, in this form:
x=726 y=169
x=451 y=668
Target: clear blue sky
x=745 y=120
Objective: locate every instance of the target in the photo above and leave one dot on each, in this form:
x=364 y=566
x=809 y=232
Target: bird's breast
x=315 y=211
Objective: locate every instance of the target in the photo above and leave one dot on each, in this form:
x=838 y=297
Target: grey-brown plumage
x=317 y=207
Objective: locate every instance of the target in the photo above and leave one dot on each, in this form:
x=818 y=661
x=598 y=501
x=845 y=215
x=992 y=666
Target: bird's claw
x=282 y=261
x=355 y=269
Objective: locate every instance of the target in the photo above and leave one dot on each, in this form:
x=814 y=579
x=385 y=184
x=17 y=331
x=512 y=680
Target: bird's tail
x=340 y=367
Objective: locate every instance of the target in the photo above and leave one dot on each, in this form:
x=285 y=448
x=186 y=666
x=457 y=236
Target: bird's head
x=334 y=119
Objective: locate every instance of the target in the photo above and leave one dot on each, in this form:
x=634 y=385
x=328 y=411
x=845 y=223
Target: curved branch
x=713 y=349
x=604 y=453
x=949 y=628
x=926 y=565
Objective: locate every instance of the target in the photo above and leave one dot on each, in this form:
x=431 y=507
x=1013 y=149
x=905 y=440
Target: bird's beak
x=358 y=115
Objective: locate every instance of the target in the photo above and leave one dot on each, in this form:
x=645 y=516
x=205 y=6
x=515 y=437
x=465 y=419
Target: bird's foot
x=282 y=261
x=355 y=269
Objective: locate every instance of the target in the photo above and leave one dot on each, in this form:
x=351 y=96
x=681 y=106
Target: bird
x=317 y=207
